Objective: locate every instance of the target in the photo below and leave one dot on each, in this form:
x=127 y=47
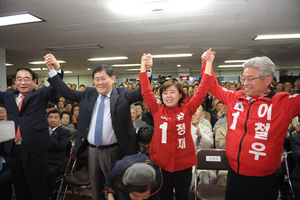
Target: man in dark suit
x=28 y=151
x=118 y=134
x=57 y=159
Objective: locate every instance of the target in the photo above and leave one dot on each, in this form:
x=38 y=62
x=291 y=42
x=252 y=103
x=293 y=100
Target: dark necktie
x=99 y=122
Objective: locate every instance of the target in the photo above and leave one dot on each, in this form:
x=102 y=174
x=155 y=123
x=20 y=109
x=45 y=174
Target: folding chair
x=61 y=178
x=78 y=179
x=290 y=164
x=214 y=159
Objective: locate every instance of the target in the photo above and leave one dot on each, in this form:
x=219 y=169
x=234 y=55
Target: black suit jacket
x=33 y=124
x=120 y=101
x=57 y=152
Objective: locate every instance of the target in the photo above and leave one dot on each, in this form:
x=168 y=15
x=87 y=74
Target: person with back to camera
x=172 y=144
x=144 y=135
x=256 y=129
x=135 y=177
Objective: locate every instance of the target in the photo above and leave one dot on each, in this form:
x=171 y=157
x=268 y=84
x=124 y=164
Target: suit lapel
x=113 y=101
x=12 y=99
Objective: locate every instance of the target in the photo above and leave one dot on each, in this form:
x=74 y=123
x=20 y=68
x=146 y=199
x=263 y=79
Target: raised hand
x=146 y=62
x=51 y=62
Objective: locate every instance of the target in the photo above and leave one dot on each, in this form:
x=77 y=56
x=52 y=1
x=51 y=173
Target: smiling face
x=24 y=82
x=65 y=120
x=133 y=115
x=53 y=120
x=3 y=114
x=171 y=96
x=257 y=86
x=103 y=83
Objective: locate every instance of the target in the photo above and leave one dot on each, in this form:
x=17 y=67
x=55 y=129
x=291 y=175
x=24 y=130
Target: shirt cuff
x=149 y=72
x=52 y=73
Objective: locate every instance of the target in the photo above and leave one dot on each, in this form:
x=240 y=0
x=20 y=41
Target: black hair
x=145 y=134
x=54 y=111
x=109 y=71
x=68 y=113
x=75 y=105
x=26 y=69
x=82 y=85
x=50 y=105
x=138 y=103
x=1 y=105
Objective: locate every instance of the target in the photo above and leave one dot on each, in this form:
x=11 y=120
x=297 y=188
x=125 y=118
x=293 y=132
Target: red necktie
x=18 y=133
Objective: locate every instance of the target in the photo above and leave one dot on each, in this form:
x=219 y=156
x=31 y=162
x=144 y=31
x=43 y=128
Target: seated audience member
x=5 y=174
x=134 y=177
x=279 y=87
x=207 y=116
x=191 y=90
x=221 y=121
x=61 y=106
x=74 y=87
x=68 y=106
x=81 y=88
x=57 y=160
x=203 y=139
x=295 y=175
x=66 y=124
x=204 y=121
x=50 y=106
x=62 y=99
x=297 y=86
x=220 y=110
x=130 y=86
x=288 y=87
x=136 y=122
x=232 y=87
x=140 y=112
x=144 y=135
x=75 y=114
x=220 y=143
x=187 y=97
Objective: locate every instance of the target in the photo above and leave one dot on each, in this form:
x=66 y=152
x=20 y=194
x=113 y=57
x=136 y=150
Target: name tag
x=213 y=158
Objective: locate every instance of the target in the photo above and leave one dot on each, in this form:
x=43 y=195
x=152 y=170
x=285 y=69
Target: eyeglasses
x=26 y=80
x=249 y=80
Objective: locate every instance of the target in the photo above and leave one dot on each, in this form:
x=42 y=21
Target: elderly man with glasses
x=257 y=125
x=28 y=151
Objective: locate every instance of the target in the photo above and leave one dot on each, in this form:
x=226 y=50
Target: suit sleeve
x=62 y=141
x=64 y=90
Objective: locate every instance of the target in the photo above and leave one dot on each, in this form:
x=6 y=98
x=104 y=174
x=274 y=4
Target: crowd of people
x=142 y=136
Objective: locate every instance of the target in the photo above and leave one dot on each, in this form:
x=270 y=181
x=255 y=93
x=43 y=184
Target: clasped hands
x=51 y=62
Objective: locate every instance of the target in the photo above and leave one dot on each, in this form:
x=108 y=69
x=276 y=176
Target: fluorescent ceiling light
x=67 y=72
x=132 y=69
x=88 y=69
x=173 y=55
x=234 y=61
x=18 y=19
x=224 y=66
x=38 y=69
x=43 y=62
x=74 y=47
x=281 y=36
x=178 y=65
x=8 y=64
x=126 y=65
x=108 y=58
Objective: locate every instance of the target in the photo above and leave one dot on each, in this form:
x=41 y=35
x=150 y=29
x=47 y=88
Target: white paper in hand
x=7 y=130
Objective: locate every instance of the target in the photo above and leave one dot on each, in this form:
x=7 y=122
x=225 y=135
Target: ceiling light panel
x=108 y=58
x=280 y=36
x=18 y=19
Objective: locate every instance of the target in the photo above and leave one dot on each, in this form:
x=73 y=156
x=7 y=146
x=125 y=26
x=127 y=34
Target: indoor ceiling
x=227 y=26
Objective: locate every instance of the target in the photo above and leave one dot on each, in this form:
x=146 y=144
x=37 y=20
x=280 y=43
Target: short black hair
x=1 y=105
x=50 y=105
x=54 y=111
x=75 y=105
x=26 y=69
x=138 y=103
x=145 y=134
x=109 y=71
x=82 y=85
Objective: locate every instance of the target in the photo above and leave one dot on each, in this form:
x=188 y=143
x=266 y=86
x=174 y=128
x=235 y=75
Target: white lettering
x=164 y=128
x=234 y=121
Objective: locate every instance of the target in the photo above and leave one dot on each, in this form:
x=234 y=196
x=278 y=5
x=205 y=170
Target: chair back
x=290 y=164
x=214 y=159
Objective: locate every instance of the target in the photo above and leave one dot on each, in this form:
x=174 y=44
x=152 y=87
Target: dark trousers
x=5 y=183
x=240 y=187
x=28 y=171
x=180 y=180
x=52 y=173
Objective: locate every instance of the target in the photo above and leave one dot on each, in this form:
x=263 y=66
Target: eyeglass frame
x=26 y=80
x=249 y=80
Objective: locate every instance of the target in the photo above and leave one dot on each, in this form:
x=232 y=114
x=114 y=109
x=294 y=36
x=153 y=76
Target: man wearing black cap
x=135 y=177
